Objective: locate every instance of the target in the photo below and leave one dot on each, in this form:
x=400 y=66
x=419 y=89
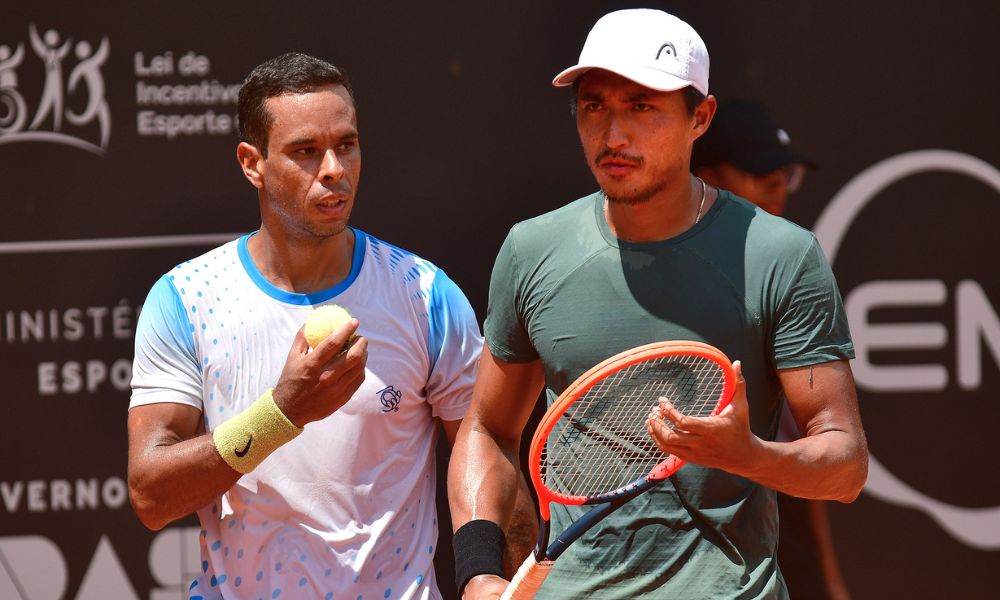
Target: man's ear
x=703 y=115
x=252 y=162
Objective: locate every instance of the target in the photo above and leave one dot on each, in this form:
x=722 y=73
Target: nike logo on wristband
x=243 y=452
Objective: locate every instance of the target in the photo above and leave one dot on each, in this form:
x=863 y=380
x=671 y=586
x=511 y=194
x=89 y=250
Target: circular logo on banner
x=975 y=527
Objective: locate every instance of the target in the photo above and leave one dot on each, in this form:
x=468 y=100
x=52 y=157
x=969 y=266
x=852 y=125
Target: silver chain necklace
x=697 y=217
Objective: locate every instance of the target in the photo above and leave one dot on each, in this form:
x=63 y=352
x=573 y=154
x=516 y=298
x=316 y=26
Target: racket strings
x=600 y=443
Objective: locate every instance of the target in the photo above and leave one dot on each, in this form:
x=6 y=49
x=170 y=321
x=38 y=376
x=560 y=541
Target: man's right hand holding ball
x=315 y=383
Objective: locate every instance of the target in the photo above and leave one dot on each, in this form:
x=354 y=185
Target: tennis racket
x=592 y=447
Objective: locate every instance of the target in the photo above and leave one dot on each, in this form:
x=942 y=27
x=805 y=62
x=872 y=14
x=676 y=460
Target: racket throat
x=544 y=528
x=579 y=527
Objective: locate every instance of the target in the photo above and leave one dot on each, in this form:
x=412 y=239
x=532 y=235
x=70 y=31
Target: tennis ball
x=323 y=321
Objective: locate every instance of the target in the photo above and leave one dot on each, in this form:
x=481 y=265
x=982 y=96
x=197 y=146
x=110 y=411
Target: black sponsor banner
x=117 y=160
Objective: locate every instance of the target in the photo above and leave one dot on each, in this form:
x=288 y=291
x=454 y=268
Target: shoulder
x=165 y=297
x=546 y=234
x=216 y=259
x=420 y=278
x=393 y=259
x=555 y=220
x=763 y=232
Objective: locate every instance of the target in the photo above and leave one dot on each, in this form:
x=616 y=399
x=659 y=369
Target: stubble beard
x=635 y=197
x=324 y=233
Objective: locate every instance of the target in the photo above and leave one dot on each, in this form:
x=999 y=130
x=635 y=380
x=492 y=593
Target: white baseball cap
x=652 y=48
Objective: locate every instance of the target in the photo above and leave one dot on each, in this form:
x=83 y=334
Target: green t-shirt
x=757 y=287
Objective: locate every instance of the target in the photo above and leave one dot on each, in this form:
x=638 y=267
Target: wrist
x=758 y=454
x=482 y=585
x=281 y=399
x=479 y=548
x=245 y=440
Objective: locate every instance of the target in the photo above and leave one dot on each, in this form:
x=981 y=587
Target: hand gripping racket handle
x=528 y=579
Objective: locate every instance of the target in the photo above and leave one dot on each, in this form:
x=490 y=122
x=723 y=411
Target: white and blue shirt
x=346 y=509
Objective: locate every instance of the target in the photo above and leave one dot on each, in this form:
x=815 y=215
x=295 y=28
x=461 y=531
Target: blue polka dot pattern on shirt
x=387 y=593
x=303 y=582
x=420 y=579
x=276 y=592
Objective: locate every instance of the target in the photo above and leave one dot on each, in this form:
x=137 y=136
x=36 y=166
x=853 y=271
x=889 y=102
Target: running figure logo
x=84 y=87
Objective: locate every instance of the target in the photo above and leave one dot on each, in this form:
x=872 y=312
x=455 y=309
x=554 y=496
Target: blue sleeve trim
x=164 y=317
x=357 y=261
x=446 y=307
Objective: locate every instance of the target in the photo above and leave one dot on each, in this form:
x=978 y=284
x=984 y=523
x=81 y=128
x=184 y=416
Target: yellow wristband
x=248 y=438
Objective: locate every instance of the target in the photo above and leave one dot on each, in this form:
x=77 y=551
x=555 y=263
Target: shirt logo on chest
x=389 y=397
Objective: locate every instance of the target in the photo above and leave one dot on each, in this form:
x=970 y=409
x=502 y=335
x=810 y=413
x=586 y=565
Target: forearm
x=171 y=480
x=483 y=486
x=482 y=478
x=522 y=534
x=830 y=460
x=832 y=465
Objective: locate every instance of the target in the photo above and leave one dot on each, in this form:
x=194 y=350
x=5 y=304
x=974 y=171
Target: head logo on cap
x=650 y=47
x=669 y=47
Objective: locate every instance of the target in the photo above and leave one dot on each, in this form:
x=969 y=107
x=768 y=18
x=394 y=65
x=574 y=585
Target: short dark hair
x=692 y=98
x=290 y=73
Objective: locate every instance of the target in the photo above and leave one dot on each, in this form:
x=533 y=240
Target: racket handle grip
x=528 y=579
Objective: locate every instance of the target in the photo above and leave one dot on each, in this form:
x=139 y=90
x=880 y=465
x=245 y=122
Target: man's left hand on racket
x=723 y=441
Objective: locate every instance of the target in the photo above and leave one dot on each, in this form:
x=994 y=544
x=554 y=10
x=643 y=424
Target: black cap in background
x=746 y=135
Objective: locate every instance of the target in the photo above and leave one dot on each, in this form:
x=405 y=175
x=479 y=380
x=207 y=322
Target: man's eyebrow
x=639 y=97
x=306 y=141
